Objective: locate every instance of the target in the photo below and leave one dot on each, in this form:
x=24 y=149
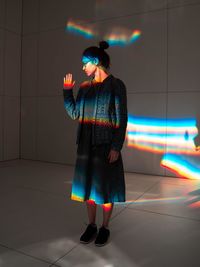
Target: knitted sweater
x=110 y=112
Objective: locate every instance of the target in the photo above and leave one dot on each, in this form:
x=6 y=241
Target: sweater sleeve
x=71 y=105
x=121 y=115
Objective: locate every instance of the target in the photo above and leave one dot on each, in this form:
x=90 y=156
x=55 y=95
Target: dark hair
x=99 y=53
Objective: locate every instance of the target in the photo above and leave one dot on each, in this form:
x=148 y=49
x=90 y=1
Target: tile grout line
x=92 y=21
x=64 y=255
x=134 y=201
x=23 y=253
x=36 y=113
x=59 y=95
x=166 y=52
x=39 y=190
x=3 y=84
x=165 y=214
x=20 y=82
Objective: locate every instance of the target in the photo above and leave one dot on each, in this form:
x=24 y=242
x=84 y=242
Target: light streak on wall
x=181 y=166
x=122 y=37
x=117 y=36
x=174 y=138
x=160 y=135
x=80 y=28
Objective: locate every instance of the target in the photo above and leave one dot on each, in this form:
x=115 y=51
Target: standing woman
x=101 y=109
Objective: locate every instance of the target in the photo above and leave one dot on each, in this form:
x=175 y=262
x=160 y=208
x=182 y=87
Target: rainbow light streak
x=136 y=202
x=182 y=199
x=102 y=119
x=185 y=199
x=80 y=29
x=156 y=135
x=153 y=200
x=195 y=205
x=178 y=165
x=123 y=38
x=78 y=194
x=100 y=122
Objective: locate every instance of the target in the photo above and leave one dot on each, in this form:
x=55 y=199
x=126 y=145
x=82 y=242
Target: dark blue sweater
x=110 y=112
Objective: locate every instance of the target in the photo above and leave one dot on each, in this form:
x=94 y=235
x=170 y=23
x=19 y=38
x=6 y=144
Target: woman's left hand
x=113 y=155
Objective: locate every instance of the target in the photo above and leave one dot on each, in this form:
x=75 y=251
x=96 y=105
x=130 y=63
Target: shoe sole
x=92 y=239
x=101 y=245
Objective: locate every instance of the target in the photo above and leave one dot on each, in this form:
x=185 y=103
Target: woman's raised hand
x=197 y=148
x=68 y=83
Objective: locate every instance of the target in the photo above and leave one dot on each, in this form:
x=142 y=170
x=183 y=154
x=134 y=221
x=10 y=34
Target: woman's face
x=89 y=65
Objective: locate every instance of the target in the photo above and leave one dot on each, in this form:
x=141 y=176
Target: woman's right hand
x=197 y=148
x=67 y=82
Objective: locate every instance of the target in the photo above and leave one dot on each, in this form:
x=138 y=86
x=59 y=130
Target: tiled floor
x=159 y=226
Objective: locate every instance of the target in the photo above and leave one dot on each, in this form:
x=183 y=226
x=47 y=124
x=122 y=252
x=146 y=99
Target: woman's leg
x=91 y=229
x=107 y=212
x=104 y=232
x=91 y=209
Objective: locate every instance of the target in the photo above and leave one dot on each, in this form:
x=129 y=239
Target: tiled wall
x=10 y=75
x=160 y=70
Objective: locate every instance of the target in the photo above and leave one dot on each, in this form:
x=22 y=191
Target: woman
x=101 y=108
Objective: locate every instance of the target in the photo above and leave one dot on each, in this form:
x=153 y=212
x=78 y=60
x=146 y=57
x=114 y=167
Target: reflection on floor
x=158 y=226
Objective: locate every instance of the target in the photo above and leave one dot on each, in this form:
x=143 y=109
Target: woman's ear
x=96 y=61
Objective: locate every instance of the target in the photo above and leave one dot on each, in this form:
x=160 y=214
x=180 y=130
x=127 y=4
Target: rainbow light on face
x=93 y=60
x=123 y=39
x=158 y=135
x=80 y=29
x=182 y=167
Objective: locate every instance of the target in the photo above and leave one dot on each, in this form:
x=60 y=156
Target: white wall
x=10 y=70
x=160 y=70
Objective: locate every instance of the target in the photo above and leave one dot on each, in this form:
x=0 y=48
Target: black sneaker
x=89 y=234
x=102 y=237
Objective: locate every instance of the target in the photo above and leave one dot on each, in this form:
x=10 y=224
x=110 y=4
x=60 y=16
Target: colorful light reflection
x=182 y=166
x=122 y=38
x=160 y=135
x=172 y=137
x=117 y=36
x=81 y=29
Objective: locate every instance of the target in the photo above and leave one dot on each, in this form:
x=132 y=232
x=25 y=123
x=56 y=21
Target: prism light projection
x=192 y=202
x=156 y=200
x=78 y=195
x=182 y=166
x=195 y=204
x=172 y=137
x=104 y=120
x=157 y=135
x=80 y=28
x=122 y=37
x=117 y=36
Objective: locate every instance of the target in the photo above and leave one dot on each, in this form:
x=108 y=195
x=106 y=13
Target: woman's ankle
x=105 y=226
x=93 y=224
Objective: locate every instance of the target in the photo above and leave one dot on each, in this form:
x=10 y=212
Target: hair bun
x=103 y=45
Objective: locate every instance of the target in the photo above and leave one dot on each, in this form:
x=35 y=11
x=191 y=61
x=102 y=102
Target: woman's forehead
x=88 y=59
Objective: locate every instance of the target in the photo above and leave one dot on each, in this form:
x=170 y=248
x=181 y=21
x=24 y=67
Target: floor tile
x=11 y=258
x=158 y=226
x=172 y=199
x=142 y=239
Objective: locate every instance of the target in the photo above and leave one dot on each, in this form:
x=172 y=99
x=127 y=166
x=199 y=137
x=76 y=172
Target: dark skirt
x=94 y=177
